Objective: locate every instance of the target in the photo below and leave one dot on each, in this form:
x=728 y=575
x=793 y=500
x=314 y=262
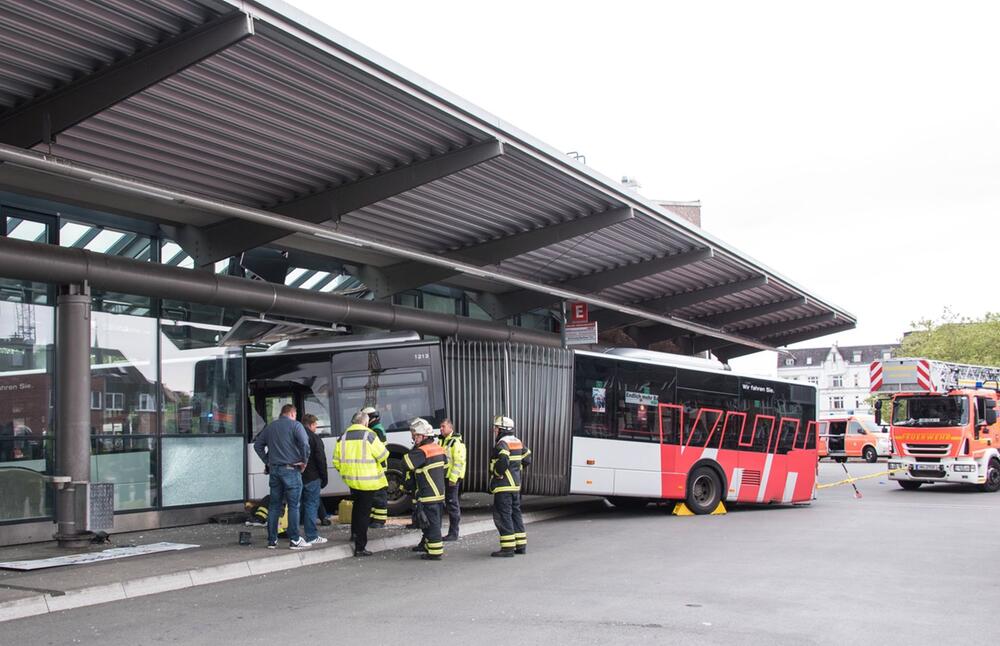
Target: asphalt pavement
x=893 y=566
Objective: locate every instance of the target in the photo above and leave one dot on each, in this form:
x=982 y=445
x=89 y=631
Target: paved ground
x=894 y=566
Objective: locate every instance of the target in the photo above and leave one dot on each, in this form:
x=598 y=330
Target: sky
x=853 y=147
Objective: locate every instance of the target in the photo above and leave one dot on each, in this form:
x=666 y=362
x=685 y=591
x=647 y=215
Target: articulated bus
x=632 y=426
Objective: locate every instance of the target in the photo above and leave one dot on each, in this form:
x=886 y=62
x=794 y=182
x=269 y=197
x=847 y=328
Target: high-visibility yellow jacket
x=455 y=448
x=360 y=457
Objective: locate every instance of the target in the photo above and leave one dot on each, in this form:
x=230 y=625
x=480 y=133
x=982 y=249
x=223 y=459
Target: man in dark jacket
x=426 y=465
x=314 y=479
x=283 y=447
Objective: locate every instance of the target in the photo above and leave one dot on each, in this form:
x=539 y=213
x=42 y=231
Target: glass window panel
x=202 y=386
x=594 y=397
x=104 y=240
x=399 y=394
x=70 y=232
x=435 y=303
x=309 y=284
x=123 y=367
x=129 y=463
x=25 y=229
x=202 y=469
x=293 y=275
x=641 y=389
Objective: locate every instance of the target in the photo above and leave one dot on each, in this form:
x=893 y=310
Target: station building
x=183 y=179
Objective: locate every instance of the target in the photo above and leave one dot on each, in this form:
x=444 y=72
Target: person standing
x=360 y=458
x=455 y=448
x=380 y=501
x=508 y=458
x=314 y=479
x=426 y=464
x=284 y=448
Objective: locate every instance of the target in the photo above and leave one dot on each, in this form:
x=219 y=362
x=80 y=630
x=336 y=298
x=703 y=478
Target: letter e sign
x=578 y=313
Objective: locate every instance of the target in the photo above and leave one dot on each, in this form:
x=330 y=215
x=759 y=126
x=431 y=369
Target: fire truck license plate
x=927 y=467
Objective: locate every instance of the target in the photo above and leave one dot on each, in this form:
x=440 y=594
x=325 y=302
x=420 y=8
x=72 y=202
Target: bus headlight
x=963 y=467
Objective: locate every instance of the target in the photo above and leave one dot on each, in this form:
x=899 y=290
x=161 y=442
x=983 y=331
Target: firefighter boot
x=431 y=557
x=521 y=549
x=506 y=552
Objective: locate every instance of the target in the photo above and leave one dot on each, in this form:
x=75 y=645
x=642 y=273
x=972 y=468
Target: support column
x=72 y=409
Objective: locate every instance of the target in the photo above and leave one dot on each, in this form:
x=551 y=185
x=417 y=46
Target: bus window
x=671 y=421
x=593 y=397
x=703 y=427
x=640 y=390
x=787 y=431
x=763 y=425
x=734 y=425
x=399 y=394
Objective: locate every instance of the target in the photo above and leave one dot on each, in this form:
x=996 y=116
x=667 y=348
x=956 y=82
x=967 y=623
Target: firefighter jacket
x=506 y=461
x=426 y=464
x=455 y=448
x=360 y=457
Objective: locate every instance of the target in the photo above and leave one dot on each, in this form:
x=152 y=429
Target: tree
x=955 y=338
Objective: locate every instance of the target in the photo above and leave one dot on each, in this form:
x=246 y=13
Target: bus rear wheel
x=869 y=454
x=909 y=485
x=399 y=502
x=992 y=477
x=704 y=491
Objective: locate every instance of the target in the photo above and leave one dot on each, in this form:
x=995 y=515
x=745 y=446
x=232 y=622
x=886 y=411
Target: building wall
x=842 y=375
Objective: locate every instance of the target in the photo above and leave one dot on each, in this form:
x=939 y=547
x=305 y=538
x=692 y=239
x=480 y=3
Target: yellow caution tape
x=853 y=480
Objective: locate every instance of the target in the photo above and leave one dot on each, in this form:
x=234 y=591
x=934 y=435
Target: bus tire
x=992 y=477
x=870 y=454
x=909 y=485
x=399 y=501
x=624 y=502
x=704 y=491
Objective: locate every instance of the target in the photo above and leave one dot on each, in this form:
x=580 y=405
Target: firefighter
x=455 y=448
x=380 y=503
x=426 y=464
x=360 y=457
x=508 y=458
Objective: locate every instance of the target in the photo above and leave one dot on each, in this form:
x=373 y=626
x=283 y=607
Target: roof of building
x=869 y=353
x=282 y=113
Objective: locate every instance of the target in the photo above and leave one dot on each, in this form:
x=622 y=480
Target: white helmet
x=503 y=423
x=421 y=426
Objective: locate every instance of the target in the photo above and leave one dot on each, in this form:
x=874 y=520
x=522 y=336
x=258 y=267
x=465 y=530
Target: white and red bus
x=653 y=426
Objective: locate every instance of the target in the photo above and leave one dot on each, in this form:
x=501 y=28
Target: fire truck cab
x=943 y=422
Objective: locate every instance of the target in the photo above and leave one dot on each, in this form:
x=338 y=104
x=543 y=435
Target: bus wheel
x=622 y=502
x=909 y=485
x=704 y=491
x=992 y=477
x=399 y=502
x=869 y=454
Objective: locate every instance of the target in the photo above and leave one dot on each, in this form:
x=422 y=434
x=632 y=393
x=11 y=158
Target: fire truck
x=943 y=423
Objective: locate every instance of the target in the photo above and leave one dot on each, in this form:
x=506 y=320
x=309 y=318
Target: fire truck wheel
x=399 y=501
x=622 y=502
x=704 y=491
x=869 y=454
x=909 y=485
x=992 y=477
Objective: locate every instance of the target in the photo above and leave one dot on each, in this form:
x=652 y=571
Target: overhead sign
x=578 y=313
x=581 y=334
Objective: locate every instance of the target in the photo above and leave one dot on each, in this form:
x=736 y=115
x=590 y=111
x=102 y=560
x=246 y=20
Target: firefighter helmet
x=372 y=413
x=420 y=426
x=505 y=424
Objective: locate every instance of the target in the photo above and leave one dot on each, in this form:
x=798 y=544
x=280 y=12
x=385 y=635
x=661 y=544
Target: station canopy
x=259 y=105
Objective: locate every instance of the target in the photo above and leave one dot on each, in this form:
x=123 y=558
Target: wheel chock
x=680 y=509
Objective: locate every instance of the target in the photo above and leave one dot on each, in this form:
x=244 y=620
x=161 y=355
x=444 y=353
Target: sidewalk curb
x=45 y=603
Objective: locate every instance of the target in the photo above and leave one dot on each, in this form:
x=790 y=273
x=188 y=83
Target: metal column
x=72 y=410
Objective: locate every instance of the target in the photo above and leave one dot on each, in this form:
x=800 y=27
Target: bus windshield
x=930 y=412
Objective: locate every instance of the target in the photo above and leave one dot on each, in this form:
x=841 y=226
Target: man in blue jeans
x=284 y=448
x=314 y=478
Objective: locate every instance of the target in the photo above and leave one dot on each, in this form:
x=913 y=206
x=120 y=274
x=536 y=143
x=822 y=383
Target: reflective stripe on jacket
x=455 y=448
x=360 y=458
x=508 y=457
x=426 y=464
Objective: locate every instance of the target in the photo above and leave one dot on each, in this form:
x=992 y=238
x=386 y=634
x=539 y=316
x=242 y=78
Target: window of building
x=809 y=361
x=837 y=381
x=789 y=362
x=837 y=403
x=114 y=401
x=857 y=357
x=886 y=355
x=814 y=381
x=147 y=402
x=96 y=400
x=856 y=378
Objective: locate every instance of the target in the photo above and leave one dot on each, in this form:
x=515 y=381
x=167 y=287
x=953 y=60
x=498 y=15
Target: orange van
x=853 y=436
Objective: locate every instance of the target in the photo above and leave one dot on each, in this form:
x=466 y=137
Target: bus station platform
x=217 y=557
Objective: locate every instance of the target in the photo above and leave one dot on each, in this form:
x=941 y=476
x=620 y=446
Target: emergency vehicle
x=853 y=436
x=943 y=423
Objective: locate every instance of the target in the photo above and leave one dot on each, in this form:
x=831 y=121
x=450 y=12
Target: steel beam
x=771 y=329
x=666 y=304
x=501 y=306
x=72 y=409
x=411 y=275
x=40 y=120
x=728 y=352
x=231 y=237
x=747 y=313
